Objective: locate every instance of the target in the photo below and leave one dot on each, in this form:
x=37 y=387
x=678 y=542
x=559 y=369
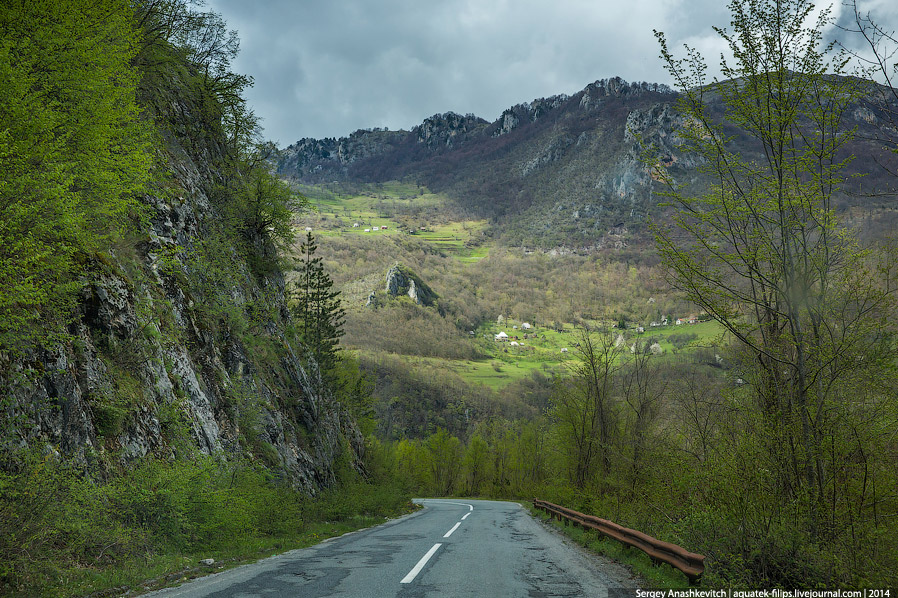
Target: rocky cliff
x=181 y=342
x=401 y=282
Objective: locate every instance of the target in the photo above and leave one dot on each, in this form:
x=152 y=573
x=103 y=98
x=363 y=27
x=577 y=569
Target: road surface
x=449 y=548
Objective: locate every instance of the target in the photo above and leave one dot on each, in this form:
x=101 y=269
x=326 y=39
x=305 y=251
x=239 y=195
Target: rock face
x=402 y=281
x=445 y=130
x=160 y=363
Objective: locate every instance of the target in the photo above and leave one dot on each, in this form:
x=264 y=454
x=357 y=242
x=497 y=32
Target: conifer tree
x=317 y=307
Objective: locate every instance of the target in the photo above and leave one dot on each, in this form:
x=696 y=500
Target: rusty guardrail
x=693 y=565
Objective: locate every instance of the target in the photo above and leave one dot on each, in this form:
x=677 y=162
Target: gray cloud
x=327 y=68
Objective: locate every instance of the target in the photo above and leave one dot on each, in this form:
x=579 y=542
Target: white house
x=526 y=326
x=515 y=344
x=502 y=336
x=564 y=349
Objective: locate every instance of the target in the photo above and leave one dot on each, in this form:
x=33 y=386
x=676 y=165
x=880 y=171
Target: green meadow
x=392 y=208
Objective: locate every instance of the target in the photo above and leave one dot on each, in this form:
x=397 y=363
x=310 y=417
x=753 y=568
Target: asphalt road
x=449 y=548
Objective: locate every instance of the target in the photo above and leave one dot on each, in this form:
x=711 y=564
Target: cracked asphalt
x=497 y=549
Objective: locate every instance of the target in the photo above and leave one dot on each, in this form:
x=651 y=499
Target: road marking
x=461 y=504
x=454 y=527
x=417 y=569
x=466 y=516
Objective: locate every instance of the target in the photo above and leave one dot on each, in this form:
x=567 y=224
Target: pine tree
x=317 y=307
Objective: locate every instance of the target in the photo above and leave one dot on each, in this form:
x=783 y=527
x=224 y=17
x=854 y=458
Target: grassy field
x=392 y=208
x=551 y=351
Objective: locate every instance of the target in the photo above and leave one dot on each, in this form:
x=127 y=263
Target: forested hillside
x=159 y=403
x=567 y=171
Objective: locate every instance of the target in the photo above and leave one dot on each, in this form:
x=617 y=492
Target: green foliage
x=317 y=308
x=73 y=153
x=260 y=205
x=765 y=255
x=681 y=340
x=583 y=408
x=353 y=389
x=444 y=456
x=61 y=532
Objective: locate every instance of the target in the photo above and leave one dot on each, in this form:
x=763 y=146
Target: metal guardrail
x=691 y=564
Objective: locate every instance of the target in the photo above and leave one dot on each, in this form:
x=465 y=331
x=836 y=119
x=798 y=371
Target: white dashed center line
x=417 y=569
x=454 y=527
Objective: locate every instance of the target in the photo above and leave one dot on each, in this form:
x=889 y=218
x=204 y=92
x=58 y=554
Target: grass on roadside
x=658 y=576
x=64 y=534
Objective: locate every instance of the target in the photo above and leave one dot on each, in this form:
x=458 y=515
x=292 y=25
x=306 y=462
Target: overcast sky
x=324 y=68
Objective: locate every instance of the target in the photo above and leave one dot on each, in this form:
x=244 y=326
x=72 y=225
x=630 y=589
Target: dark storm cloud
x=326 y=68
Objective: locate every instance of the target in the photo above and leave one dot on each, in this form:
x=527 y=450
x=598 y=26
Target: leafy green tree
x=476 y=465
x=763 y=252
x=317 y=307
x=201 y=39
x=444 y=453
x=74 y=151
x=264 y=205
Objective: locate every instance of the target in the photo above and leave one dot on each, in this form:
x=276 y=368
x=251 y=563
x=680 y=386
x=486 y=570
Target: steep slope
x=182 y=339
x=564 y=171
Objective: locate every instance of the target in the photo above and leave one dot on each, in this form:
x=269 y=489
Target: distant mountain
x=563 y=171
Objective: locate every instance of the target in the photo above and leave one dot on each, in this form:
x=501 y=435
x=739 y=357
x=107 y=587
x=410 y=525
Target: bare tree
x=583 y=407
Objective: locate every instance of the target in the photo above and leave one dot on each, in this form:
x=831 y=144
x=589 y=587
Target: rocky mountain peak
x=443 y=130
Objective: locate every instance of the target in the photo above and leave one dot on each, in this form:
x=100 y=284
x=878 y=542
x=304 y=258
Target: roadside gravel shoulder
x=619 y=574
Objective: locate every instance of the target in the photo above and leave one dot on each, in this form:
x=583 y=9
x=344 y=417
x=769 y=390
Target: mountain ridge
x=557 y=172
